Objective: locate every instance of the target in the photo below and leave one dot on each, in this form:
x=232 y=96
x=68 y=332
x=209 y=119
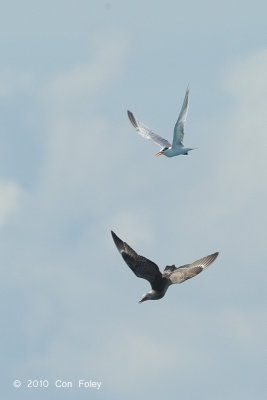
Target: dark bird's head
x=144 y=298
x=152 y=295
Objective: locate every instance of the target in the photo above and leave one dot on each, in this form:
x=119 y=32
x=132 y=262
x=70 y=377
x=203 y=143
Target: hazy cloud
x=10 y=196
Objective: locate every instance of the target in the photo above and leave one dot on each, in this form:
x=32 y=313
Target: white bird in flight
x=167 y=149
x=144 y=268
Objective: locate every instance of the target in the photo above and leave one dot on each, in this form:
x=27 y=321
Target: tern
x=144 y=268
x=167 y=149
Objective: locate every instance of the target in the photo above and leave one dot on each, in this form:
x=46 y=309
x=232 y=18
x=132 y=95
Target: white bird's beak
x=158 y=154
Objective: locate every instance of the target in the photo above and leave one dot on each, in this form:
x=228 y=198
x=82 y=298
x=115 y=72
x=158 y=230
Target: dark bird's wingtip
x=113 y=234
x=118 y=242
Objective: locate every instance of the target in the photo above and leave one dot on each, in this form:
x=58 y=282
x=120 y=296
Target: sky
x=72 y=168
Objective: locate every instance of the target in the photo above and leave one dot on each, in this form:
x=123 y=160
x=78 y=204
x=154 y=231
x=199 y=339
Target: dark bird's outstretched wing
x=141 y=266
x=181 y=274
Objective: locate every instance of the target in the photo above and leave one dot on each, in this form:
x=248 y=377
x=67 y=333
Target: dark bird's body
x=144 y=268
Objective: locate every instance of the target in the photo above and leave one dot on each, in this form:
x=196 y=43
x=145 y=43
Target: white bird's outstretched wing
x=181 y=274
x=178 y=133
x=146 y=132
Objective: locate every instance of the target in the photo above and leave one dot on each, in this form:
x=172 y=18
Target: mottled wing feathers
x=188 y=271
x=181 y=275
x=142 y=267
x=168 y=270
x=146 y=132
x=205 y=261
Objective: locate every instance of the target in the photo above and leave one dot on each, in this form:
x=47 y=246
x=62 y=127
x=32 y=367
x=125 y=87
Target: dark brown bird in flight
x=144 y=268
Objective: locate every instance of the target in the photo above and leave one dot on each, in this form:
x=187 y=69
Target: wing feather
x=144 y=131
x=141 y=266
x=188 y=271
x=178 y=133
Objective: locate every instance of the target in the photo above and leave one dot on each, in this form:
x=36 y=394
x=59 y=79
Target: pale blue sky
x=72 y=168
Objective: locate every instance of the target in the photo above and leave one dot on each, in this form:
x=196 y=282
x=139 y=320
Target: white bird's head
x=161 y=152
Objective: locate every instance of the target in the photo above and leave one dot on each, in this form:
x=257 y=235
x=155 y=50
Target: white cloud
x=243 y=174
x=235 y=183
x=12 y=82
x=76 y=166
x=127 y=224
x=83 y=82
x=10 y=196
x=246 y=328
